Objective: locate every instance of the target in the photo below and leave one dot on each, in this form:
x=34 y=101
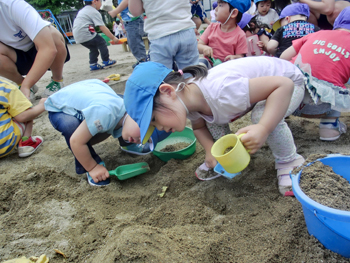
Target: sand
x=45 y=205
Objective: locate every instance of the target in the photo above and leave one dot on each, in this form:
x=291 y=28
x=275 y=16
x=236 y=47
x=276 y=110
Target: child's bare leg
x=8 y=68
x=28 y=129
x=57 y=64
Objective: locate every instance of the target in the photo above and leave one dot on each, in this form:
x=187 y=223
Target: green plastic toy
x=215 y=61
x=127 y=171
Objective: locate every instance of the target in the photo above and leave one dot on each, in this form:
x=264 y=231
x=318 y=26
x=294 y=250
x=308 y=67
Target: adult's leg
x=135 y=33
x=67 y=124
x=8 y=67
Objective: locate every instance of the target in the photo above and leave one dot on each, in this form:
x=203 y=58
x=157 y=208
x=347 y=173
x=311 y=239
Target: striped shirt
x=12 y=103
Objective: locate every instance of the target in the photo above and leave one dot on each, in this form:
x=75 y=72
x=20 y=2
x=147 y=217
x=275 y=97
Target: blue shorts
x=25 y=59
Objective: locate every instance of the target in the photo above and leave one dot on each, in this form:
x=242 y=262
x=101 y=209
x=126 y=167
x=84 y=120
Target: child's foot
x=53 y=87
x=330 y=129
x=96 y=66
x=27 y=146
x=204 y=173
x=137 y=149
x=100 y=183
x=109 y=63
x=283 y=175
x=138 y=62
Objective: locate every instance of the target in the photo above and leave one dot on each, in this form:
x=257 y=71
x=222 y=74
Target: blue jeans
x=134 y=30
x=180 y=47
x=67 y=124
x=95 y=45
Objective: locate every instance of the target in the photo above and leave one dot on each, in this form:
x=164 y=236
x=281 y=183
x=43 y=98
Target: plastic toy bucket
x=107 y=39
x=186 y=136
x=330 y=226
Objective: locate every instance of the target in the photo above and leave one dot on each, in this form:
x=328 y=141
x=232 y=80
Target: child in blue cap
x=291 y=25
x=324 y=58
x=270 y=88
x=212 y=12
x=88 y=112
x=224 y=40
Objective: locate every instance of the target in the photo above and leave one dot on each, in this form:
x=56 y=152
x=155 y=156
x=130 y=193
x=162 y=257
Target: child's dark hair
x=175 y=78
x=263 y=1
x=88 y=2
x=239 y=15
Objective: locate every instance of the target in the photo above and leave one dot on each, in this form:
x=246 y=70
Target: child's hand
x=99 y=173
x=254 y=138
x=208 y=51
x=260 y=44
x=210 y=161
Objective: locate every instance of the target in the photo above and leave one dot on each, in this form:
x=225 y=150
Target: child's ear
x=166 y=89
x=234 y=13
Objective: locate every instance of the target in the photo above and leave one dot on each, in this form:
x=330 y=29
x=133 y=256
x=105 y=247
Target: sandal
x=283 y=176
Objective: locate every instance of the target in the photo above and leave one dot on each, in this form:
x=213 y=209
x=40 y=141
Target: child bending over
x=269 y=87
x=324 y=59
x=87 y=113
x=225 y=40
x=291 y=25
x=16 y=121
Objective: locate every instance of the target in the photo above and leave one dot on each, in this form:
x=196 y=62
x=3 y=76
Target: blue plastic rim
x=330 y=226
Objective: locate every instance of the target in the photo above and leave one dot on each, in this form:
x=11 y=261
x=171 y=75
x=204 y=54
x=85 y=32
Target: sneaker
x=109 y=63
x=96 y=66
x=29 y=146
x=53 y=87
x=100 y=183
x=138 y=149
x=138 y=62
x=330 y=130
x=204 y=173
x=283 y=176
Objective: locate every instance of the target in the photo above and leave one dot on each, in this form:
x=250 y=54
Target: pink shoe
x=283 y=175
x=29 y=146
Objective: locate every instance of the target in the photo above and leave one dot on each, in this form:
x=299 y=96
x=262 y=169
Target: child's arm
x=78 y=144
x=325 y=7
x=204 y=137
x=230 y=57
x=204 y=49
x=272 y=46
x=277 y=91
x=136 y=7
x=108 y=33
x=289 y=53
x=120 y=8
x=31 y=113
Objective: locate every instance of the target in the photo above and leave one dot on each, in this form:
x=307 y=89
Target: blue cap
x=242 y=5
x=245 y=20
x=292 y=10
x=140 y=89
x=343 y=19
x=215 y=4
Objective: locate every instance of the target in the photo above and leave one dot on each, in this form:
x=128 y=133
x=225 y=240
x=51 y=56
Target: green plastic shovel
x=215 y=61
x=127 y=171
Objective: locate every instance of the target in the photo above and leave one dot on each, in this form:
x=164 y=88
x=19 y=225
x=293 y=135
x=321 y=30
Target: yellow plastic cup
x=234 y=161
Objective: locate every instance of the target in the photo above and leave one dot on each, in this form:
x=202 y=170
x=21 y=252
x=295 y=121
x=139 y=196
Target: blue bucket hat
x=140 y=89
x=245 y=20
x=292 y=10
x=343 y=19
x=242 y=5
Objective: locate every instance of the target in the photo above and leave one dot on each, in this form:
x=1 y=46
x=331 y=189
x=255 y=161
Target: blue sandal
x=109 y=63
x=96 y=66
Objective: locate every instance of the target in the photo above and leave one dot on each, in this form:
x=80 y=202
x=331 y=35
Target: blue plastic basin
x=330 y=226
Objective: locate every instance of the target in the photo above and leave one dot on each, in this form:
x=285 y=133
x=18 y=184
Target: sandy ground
x=45 y=205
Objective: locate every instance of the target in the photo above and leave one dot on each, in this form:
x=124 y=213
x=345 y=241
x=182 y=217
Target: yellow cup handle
x=239 y=137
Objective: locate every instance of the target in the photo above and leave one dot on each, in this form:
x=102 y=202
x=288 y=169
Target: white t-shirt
x=20 y=23
x=166 y=17
x=271 y=17
x=226 y=88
